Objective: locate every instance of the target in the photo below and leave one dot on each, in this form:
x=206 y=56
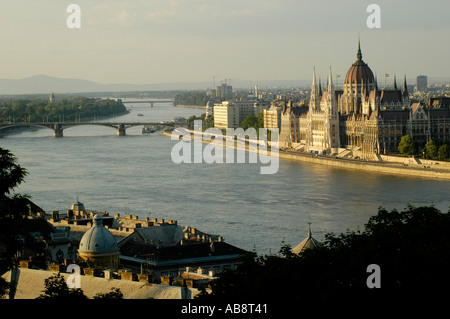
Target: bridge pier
x=57 y=130
x=121 y=130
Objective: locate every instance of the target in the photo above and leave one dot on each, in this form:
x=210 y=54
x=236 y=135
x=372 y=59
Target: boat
x=146 y=129
x=179 y=119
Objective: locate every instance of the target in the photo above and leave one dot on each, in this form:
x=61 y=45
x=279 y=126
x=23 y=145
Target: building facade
x=363 y=120
x=226 y=114
x=422 y=83
x=230 y=114
x=272 y=115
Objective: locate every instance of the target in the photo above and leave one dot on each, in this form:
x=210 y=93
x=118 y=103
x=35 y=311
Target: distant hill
x=47 y=84
x=44 y=84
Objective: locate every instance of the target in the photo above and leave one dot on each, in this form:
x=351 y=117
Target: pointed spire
x=330 y=81
x=320 y=88
x=395 y=82
x=359 y=54
x=405 y=88
x=314 y=79
x=314 y=98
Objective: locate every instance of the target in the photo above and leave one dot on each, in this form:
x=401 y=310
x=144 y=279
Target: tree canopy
x=13 y=207
x=11 y=173
x=412 y=249
x=406 y=146
x=68 y=109
x=57 y=288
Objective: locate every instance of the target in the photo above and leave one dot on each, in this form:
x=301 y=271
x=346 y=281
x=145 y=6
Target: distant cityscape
x=362 y=120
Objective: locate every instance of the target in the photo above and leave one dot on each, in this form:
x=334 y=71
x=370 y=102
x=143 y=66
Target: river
x=135 y=174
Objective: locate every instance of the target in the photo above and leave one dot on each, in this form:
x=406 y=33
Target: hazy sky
x=152 y=41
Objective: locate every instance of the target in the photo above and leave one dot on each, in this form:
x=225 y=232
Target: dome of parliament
x=359 y=72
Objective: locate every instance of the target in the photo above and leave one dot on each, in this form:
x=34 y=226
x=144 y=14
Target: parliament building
x=362 y=119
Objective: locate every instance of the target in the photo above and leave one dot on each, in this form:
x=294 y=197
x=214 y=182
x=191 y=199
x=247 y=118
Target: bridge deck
x=148 y=101
x=88 y=123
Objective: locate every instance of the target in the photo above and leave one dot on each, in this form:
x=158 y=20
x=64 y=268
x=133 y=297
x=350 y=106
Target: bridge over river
x=59 y=127
x=151 y=102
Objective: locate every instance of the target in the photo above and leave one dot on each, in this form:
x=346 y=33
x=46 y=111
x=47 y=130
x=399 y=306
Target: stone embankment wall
x=390 y=165
x=382 y=167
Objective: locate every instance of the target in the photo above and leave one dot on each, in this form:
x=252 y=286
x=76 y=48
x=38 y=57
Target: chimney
x=55 y=215
x=166 y=280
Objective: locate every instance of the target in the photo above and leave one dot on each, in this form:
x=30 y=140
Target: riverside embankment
x=391 y=165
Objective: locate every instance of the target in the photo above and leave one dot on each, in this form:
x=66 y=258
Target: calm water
x=134 y=174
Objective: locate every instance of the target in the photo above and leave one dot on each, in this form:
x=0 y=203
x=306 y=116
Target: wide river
x=135 y=174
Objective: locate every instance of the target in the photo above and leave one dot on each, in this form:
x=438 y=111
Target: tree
x=406 y=146
x=12 y=208
x=115 y=293
x=444 y=152
x=250 y=121
x=412 y=249
x=56 y=288
x=260 y=118
x=4 y=287
x=431 y=150
x=11 y=173
x=208 y=122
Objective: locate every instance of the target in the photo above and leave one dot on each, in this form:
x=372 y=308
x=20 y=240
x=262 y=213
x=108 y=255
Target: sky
x=155 y=41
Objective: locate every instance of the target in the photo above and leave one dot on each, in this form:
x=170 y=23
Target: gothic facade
x=362 y=118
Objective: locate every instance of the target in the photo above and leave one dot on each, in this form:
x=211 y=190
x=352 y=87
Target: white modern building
x=226 y=114
x=230 y=114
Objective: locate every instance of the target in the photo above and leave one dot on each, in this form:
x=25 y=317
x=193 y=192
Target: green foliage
x=406 y=146
x=11 y=173
x=191 y=98
x=115 y=293
x=255 y=121
x=4 y=287
x=431 y=150
x=56 y=288
x=12 y=208
x=207 y=122
x=411 y=247
x=69 y=109
x=249 y=121
x=444 y=152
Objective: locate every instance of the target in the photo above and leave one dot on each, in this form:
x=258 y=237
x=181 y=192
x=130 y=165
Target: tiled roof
x=195 y=250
